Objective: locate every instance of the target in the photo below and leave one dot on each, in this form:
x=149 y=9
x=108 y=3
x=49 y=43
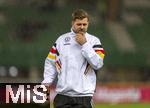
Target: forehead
x=84 y=20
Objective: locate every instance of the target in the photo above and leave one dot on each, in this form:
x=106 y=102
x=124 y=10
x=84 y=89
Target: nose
x=82 y=26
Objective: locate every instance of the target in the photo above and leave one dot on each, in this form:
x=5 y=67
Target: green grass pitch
x=123 y=105
x=135 y=105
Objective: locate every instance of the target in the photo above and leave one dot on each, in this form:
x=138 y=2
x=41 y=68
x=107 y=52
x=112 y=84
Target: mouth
x=81 y=31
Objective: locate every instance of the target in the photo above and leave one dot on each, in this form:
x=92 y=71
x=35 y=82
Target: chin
x=83 y=32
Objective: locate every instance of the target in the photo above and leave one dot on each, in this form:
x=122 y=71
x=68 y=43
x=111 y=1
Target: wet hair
x=79 y=14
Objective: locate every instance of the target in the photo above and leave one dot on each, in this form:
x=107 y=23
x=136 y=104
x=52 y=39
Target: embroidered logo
x=67 y=39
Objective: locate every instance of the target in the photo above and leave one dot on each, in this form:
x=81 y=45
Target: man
x=73 y=59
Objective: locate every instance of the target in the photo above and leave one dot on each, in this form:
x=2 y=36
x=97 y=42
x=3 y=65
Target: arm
x=49 y=76
x=50 y=72
x=94 y=54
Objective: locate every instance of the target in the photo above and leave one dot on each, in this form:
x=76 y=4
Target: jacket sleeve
x=94 y=54
x=50 y=71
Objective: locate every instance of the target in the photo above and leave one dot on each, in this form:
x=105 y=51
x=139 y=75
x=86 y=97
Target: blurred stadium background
x=28 y=28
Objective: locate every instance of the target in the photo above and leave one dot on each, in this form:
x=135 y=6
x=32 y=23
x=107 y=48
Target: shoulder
x=93 y=38
x=62 y=37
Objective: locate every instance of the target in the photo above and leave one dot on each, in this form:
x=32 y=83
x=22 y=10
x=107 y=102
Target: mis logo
x=23 y=93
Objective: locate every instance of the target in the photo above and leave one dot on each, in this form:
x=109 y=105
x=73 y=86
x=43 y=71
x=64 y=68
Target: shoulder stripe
x=52 y=57
x=54 y=45
x=99 y=51
x=97 y=46
x=53 y=51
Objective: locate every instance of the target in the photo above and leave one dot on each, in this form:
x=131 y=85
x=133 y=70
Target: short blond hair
x=79 y=14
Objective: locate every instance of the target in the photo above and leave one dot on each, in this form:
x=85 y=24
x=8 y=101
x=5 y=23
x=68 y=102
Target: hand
x=47 y=93
x=80 y=38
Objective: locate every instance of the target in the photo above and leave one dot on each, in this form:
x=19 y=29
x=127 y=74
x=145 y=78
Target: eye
x=78 y=24
x=84 y=24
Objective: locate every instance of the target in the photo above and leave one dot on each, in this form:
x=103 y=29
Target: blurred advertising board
x=127 y=94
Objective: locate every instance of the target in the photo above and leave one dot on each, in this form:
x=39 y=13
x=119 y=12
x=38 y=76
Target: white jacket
x=74 y=65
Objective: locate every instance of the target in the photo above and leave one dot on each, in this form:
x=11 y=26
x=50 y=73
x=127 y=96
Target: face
x=80 y=26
